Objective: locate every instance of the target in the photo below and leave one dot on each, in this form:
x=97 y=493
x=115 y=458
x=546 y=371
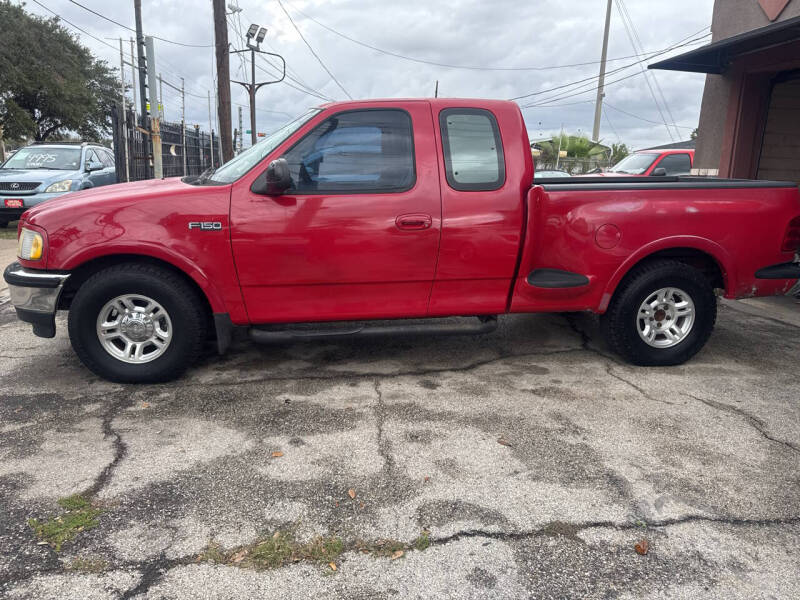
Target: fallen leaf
x=503 y=442
x=239 y=556
x=277 y=454
x=397 y=554
x=145 y=405
x=276 y=535
x=352 y=493
x=361 y=506
x=332 y=566
x=642 y=547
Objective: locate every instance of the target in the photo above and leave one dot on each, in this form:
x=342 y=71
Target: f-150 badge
x=205 y=225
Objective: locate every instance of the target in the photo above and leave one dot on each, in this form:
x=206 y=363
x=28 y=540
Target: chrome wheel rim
x=665 y=318
x=134 y=328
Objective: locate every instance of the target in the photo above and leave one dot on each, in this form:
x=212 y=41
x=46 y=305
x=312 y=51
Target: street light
x=259 y=33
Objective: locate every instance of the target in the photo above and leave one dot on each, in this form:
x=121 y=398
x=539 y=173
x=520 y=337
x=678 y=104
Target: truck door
x=485 y=178
x=357 y=235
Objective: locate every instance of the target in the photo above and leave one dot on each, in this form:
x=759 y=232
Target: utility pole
x=183 y=124
x=256 y=35
x=161 y=97
x=124 y=115
x=155 y=120
x=137 y=6
x=241 y=132
x=223 y=79
x=133 y=83
x=210 y=131
x=598 y=106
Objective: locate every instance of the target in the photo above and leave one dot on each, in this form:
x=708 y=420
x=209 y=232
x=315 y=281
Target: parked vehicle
x=658 y=163
x=359 y=211
x=551 y=173
x=44 y=171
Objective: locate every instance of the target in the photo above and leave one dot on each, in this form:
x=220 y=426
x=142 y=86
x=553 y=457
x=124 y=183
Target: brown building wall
x=731 y=17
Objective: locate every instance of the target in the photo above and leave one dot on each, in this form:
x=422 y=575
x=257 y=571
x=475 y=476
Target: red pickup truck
x=394 y=209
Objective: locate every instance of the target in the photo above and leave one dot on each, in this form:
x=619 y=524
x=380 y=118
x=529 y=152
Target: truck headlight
x=59 y=186
x=30 y=245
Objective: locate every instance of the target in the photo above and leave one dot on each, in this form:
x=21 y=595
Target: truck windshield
x=634 y=164
x=45 y=158
x=241 y=164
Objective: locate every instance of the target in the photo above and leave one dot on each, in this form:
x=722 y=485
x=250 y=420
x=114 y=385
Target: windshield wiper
x=205 y=176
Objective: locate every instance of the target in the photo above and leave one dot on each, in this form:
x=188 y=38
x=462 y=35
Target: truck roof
x=435 y=102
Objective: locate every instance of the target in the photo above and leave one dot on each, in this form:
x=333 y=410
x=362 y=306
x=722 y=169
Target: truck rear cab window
x=355 y=152
x=473 y=150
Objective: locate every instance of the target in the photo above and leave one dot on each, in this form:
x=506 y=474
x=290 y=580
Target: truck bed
x=652 y=183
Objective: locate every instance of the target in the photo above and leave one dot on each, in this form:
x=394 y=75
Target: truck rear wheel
x=662 y=314
x=137 y=323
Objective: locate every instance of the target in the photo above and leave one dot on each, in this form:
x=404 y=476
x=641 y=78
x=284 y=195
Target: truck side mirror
x=275 y=180
x=659 y=172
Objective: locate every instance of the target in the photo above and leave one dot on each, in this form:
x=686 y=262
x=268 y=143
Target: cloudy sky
x=509 y=49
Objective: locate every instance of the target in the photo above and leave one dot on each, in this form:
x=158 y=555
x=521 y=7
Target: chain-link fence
x=183 y=152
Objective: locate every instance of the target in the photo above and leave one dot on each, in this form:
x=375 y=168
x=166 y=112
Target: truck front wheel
x=137 y=323
x=662 y=314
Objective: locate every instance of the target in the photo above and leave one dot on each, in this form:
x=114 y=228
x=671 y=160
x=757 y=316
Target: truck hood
x=108 y=198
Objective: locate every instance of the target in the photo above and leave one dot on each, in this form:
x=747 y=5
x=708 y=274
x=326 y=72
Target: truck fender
x=713 y=249
x=157 y=252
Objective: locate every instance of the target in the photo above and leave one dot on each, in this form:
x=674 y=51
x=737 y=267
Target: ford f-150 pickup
x=361 y=212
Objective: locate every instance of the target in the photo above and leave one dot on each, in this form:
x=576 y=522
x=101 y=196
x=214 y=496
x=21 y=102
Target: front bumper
x=12 y=214
x=35 y=295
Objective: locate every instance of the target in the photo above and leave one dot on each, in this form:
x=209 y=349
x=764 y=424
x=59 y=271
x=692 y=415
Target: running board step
x=298 y=332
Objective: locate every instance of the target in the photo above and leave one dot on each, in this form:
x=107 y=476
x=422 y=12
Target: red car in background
x=654 y=162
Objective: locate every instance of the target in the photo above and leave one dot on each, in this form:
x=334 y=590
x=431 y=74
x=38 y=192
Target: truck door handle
x=414 y=221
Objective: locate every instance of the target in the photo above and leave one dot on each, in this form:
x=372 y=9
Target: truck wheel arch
x=85 y=269
x=705 y=254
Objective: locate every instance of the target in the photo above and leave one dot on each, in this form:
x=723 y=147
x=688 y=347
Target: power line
x=617 y=70
x=623 y=13
x=625 y=112
x=573 y=93
x=452 y=66
x=58 y=16
x=155 y=37
x=319 y=60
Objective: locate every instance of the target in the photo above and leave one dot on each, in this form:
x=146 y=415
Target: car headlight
x=30 y=245
x=59 y=186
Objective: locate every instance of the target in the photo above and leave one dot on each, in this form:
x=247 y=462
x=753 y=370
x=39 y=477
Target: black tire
x=620 y=326
x=180 y=300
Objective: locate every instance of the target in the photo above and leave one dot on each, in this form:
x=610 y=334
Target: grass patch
x=88 y=565
x=423 y=542
x=282 y=548
x=79 y=516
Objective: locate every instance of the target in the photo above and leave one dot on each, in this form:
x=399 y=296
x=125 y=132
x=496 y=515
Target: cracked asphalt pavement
x=535 y=460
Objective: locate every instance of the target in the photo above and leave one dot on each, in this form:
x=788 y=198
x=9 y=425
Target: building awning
x=716 y=57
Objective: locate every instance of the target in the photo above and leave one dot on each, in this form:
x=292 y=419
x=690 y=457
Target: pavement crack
x=754 y=421
x=640 y=390
x=120 y=447
x=152 y=573
x=384 y=445
x=571 y=529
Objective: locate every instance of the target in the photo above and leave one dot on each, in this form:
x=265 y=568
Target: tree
x=618 y=152
x=49 y=83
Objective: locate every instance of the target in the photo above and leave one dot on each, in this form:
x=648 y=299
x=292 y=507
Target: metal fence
x=573 y=166
x=186 y=151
